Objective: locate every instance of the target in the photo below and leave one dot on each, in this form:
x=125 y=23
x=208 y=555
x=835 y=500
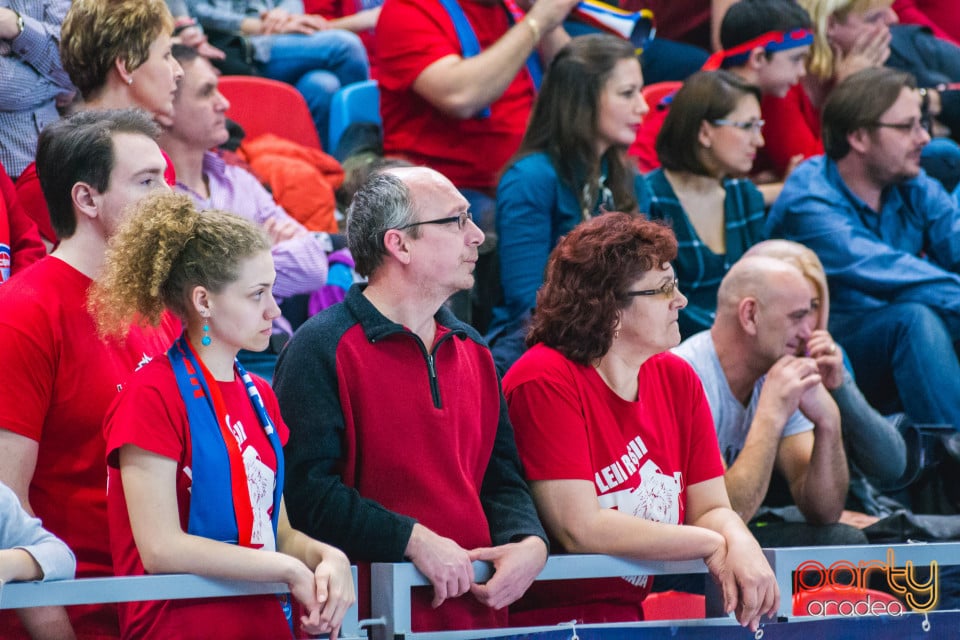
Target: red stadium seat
x=261 y=105
x=674 y=605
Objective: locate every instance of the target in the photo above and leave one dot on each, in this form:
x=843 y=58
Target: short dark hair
x=183 y=54
x=587 y=277
x=80 y=149
x=383 y=202
x=704 y=96
x=749 y=19
x=858 y=102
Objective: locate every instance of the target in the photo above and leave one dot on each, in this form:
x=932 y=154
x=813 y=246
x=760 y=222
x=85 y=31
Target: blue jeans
x=318 y=65
x=904 y=357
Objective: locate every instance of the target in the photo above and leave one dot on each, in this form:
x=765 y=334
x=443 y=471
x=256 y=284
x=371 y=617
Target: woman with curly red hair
x=615 y=432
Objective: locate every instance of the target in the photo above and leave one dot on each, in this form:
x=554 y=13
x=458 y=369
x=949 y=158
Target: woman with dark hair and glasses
x=615 y=432
x=707 y=144
x=570 y=167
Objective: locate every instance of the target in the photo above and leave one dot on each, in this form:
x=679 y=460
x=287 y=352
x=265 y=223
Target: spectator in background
x=118 y=55
x=875 y=448
x=358 y=16
x=695 y=22
x=765 y=372
x=849 y=35
x=390 y=370
x=570 y=167
x=709 y=139
x=889 y=239
x=32 y=80
x=766 y=44
x=615 y=433
x=20 y=244
x=92 y=165
x=199 y=124
x=182 y=499
x=291 y=46
x=940 y=16
x=457 y=99
x=188 y=32
x=30 y=552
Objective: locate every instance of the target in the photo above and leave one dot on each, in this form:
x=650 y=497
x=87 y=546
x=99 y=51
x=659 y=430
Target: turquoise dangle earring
x=206 y=340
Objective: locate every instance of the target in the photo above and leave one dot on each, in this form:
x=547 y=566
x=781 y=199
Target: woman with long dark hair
x=571 y=164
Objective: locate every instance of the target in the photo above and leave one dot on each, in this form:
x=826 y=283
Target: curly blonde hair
x=821 y=64
x=97 y=33
x=165 y=249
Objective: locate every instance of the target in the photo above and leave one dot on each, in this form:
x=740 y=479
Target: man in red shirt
x=455 y=94
x=400 y=444
x=60 y=376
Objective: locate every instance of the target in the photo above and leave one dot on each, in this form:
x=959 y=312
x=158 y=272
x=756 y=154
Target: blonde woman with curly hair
x=194 y=442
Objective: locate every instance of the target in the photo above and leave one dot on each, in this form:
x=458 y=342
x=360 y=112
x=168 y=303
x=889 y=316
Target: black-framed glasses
x=749 y=126
x=667 y=291
x=460 y=219
x=913 y=125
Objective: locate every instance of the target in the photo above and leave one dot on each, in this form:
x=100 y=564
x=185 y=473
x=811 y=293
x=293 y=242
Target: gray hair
x=383 y=202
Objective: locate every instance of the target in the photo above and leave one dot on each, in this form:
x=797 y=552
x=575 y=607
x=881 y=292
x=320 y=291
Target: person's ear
x=757 y=58
x=397 y=245
x=747 y=312
x=126 y=75
x=859 y=140
x=705 y=134
x=200 y=301
x=86 y=200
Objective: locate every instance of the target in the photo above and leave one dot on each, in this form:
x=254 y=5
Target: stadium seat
x=674 y=605
x=357 y=102
x=261 y=105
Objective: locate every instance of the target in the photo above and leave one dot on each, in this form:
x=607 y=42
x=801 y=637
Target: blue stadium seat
x=357 y=102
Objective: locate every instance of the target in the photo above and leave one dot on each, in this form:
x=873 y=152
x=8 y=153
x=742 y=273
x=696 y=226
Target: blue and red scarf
x=220 y=506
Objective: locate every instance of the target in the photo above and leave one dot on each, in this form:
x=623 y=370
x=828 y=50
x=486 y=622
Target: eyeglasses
x=914 y=125
x=460 y=219
x=667 y=291
x=751 y=126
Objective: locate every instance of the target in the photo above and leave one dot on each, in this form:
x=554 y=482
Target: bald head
x=424 y=186
x=758 y=277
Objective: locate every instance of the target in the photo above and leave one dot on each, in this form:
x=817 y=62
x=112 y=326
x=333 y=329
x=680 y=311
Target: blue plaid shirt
x=31 y=80
x=700 y=270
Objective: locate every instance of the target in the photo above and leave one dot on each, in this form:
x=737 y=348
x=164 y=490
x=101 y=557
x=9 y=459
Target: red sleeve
x=329 y=9
x=411 y=35
x=29 y=355
x=792 y=128
x=548 y=419
x=148 y=413
x=26 y=247
x=909 y=13
x=34 y=204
